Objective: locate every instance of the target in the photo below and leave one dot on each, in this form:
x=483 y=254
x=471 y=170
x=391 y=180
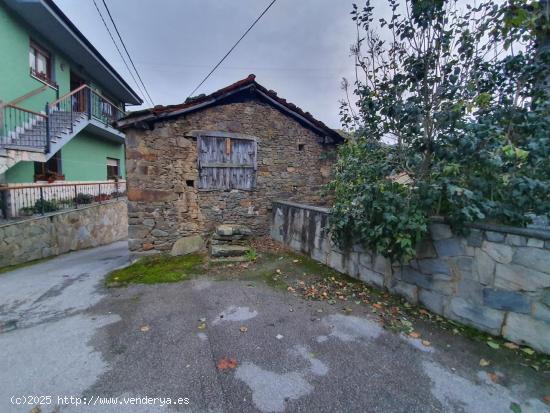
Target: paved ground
x=72 y=337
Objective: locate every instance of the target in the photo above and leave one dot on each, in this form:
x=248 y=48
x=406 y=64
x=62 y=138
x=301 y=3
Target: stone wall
x=164 y=201
x=61 y=232
x=497 y=279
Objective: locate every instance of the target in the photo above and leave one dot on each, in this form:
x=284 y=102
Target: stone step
x=240 y=258
x=215 y=241
x=225 y=250
x=229 y=230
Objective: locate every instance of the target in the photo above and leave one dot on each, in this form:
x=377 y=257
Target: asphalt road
x=64 y=334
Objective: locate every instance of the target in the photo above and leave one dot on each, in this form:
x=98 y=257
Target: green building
x=58 y=100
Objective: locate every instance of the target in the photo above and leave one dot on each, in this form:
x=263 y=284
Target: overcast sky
x=300 y=48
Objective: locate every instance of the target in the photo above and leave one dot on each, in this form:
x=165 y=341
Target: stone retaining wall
x=57 y=233
x=497 y=279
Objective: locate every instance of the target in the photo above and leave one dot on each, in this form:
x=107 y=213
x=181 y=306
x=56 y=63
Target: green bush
x=84 y=198
x=468 y=127
x=43 y=205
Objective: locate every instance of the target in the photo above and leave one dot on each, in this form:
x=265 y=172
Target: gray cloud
x=300 y=48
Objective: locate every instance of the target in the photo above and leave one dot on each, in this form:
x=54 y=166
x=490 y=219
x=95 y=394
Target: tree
x=456 y=98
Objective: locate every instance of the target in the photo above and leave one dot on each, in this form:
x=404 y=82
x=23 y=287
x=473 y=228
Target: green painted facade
x=93 y=166
x=15 y=78
x=75 y=166
x=84 y=157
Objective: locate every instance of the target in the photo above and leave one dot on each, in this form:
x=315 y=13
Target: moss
x=157 y=269
x=24 y=264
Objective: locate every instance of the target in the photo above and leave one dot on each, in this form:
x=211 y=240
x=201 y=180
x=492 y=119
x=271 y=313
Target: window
x=113 y=168
x=44 y=171
x=226 y=161
x=40 y=64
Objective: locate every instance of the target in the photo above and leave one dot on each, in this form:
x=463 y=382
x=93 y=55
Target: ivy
x=451 y=117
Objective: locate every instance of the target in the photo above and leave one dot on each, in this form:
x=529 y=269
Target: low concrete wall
x=497 y=279
x=61 y=232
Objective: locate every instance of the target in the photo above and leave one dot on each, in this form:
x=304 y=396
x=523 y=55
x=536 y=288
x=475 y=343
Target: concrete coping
x=506 y=229
x=66 y=211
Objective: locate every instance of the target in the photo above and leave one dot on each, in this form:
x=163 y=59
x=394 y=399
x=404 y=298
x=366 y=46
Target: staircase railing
x=15 y=120
x=59 y=115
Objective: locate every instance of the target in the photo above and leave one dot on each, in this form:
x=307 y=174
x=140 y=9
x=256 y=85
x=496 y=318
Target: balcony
x=36 y=136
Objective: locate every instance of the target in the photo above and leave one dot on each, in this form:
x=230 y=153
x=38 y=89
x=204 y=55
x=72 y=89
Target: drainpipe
x=1 y=119
x=48 y=143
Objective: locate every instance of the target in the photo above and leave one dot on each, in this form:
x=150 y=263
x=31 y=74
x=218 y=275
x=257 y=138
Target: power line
x=117 y=48
x=129 y=57
x=235 y=45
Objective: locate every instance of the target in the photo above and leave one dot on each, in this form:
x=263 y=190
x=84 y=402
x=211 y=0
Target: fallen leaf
x=226 y=364
x=535 y=367
x=202 y=326
x=426 y=343
x=278 y=271
x=546 y=399
x=484 y=363
x=295 y=261
x=516 y=408
x=511 y=346
x=422 y=311
x=243 y=329
x=144 y=328
x=348 y=310
x=493 y=345
x=493 y=377
x=414 y=334
x=377 y=306
x=528 y=351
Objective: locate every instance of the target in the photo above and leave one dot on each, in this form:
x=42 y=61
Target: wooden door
x=78 y=100
x=226 y=162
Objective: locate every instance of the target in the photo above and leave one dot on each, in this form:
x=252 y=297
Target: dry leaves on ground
x=144 y=328
x=493 y=377
x=227 y=364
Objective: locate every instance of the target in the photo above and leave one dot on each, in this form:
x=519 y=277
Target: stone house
x=220 y=158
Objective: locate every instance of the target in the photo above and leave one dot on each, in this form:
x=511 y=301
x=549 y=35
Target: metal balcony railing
x=23 y=201
x=24 y=128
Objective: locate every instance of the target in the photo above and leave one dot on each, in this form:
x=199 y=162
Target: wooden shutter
x=226 y=162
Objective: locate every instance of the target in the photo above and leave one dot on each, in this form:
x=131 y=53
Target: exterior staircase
x=230 y=242
x=26 y=135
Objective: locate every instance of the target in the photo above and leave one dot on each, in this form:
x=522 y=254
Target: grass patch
x=25 y=264
x=156 y=269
